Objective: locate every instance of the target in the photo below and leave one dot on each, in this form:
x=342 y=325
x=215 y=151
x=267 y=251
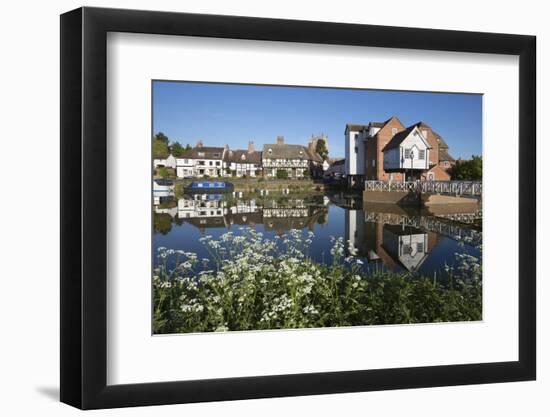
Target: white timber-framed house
x=409 y=152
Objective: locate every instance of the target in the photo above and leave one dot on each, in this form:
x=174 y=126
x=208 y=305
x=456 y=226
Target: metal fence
x=471 y=188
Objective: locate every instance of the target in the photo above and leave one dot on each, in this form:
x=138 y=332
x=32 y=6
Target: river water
x=388 y=237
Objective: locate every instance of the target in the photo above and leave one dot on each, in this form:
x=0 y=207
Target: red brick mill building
x=390 y=151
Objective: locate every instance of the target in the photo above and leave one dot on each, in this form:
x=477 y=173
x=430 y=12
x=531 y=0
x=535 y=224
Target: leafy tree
x=282 y=174
x=161 y=137
x=321 y=149
x=163 y=172
x=471 y=170
x=177 y=149
x=160 y=149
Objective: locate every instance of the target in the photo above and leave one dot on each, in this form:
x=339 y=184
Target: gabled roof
x=440 y=140
x=285 y=151
x=314 y=156
x=355 y=127
x=210 y=152
x=243 y=156
x=444 y=155
x=399 y=137
x=359 y=127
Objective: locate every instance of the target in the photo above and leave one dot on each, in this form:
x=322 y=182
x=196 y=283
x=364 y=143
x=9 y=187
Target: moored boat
x=201 y=187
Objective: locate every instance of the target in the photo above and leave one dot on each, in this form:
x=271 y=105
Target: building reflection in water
x=396 y=239
x=396 y=246
x=212 y=211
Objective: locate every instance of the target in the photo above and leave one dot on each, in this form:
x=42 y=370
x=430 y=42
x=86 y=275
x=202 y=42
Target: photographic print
x=286 y=207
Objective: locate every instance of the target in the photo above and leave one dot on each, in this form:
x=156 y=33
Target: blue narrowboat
x=201 y=187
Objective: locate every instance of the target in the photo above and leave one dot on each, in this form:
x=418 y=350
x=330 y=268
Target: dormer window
x=243 y=157
x=201 y=154
x=270 y=151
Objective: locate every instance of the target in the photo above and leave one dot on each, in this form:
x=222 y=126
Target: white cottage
x=185 y=166
x=169 y=162
x=408 y=151
x=243 y=162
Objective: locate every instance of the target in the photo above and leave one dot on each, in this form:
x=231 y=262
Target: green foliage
x=177 y=150
x=161 y=137
x=282 y=174
x=321 y=149
x=160 y=149
x=162 y=223
x=251 y=283
x=163 y=172
x=471 y=170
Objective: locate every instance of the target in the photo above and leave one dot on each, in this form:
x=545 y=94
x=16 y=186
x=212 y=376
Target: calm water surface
x=388 y=237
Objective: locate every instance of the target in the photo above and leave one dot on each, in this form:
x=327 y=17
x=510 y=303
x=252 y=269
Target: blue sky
x=220 y=114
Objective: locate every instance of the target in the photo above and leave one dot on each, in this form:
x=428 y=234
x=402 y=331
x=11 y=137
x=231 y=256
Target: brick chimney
x=251 y=146
x=200 y=144
x=280 y=140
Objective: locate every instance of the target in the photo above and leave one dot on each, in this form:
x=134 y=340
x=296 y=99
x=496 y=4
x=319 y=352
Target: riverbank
x=272 y=185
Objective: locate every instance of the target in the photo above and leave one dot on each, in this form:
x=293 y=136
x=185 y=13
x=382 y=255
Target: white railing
x=472 y=188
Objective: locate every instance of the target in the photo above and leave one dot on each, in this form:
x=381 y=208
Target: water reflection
x=387 y=237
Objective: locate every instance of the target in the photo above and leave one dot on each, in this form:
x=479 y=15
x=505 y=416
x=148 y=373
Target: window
x=373 y=162
x=210 y=163
x=420 y=247
x=201 y=154
x=356 y=149
x=407 y=153
x=355 y=136
x=393 y=130
x=446 y=163
x=421 y=154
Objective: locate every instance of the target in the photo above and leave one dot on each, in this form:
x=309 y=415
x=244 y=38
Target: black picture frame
x=84 y=207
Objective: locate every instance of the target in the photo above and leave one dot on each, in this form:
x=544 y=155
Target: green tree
x=177 y=149
x=160 y=149
x=321 y=149
x=163 y=172
x=470 y=170
x=161 y=137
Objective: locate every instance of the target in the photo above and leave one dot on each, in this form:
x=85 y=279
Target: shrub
x=282 y=174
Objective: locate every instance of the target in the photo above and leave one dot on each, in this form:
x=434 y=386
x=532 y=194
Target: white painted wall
x=395 y=158
x=355 y=161
x=169 y=162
